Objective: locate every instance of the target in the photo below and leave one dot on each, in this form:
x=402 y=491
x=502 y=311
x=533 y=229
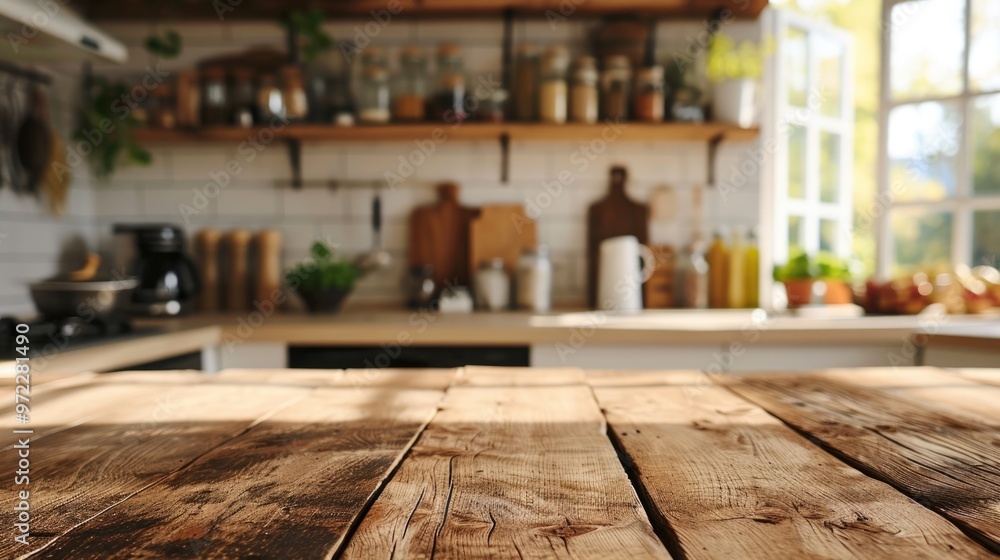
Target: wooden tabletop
x=511 y=463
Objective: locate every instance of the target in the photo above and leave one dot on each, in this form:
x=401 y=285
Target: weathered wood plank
x=733 y=482
x=486 y=376
x=510 y=472
x=989 y=376
x=290 y=487
x=431 y=379
x=944 y=459
x=80 y=471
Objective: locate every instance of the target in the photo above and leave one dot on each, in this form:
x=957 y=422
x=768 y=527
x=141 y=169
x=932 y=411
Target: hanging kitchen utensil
x=613 y=216
x=378 y=257
x=14 y=172
x=58 y=175
x=34 y=141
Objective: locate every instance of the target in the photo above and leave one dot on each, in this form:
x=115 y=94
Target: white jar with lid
x=534 y=280
x=492 y=286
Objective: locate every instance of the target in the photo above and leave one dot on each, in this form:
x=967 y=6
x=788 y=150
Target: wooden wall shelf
x=677 y=132
x=105 y=10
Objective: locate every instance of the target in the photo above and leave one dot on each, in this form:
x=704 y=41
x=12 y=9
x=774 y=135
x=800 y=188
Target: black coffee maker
x=168 y=279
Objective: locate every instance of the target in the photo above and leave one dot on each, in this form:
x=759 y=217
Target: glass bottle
x=293 y=93
x=751 y=271
x=243 y=94
x=616 y=80
x=214 y=108
x=526 y=83
x=534 y=280
x=552 y=90
x=718 y=274
x=270 y=103
x=649 y=99
x=411 y=87
x=448 y=103
x=736 y=277
x=374 y=56
x=583 y=91
x=373 y=103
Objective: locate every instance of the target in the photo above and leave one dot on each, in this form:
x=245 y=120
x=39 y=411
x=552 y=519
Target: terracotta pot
x=799 y=291
x=838 y=292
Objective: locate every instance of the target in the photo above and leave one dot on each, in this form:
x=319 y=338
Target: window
x=940 y=150
x=812 y=131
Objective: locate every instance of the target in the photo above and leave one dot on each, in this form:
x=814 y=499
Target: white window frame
x=775 y=133
x=964 y=203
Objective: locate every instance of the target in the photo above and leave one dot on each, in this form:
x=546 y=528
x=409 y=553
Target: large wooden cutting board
x=439 y=237
x=614 y=215
x=501 y=231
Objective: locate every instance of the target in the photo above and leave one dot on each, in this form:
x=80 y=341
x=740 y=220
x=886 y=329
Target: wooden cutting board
x=501 y=231
x=614 y=215
x=439 y=237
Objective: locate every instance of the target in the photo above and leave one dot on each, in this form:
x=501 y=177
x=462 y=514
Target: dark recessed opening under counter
x=348 y=357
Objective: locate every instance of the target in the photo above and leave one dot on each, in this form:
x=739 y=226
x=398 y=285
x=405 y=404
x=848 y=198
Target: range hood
x=50 y=31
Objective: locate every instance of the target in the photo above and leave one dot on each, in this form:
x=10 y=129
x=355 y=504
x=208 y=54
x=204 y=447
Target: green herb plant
x=117 y=145
x=824 y=266
x=311 y=40
x=167 y=45
x=324 y=272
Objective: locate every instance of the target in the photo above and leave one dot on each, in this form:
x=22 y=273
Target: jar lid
x=650 y=73
x=376 y=72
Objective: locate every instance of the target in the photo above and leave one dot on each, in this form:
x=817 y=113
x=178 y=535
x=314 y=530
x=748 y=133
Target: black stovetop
x=50 y=336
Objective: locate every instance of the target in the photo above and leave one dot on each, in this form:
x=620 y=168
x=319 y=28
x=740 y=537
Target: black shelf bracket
x=505 y=158
x=713 y=149
x=295 y=161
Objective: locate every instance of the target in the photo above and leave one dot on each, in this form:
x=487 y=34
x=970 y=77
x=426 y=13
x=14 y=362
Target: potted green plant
x=323 y=282
x=800 y=274
x=734 y=69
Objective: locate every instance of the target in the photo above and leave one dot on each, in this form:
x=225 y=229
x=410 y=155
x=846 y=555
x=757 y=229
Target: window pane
x=828 y=235
x=984 y=51
x=986 y=238
x=797 y=78
x=923 y=143
x=829 y=167
x=794 y=233
x=922 y=239
x=830 y=55
x=986 y=145
x=927 y=48
x=796 y=161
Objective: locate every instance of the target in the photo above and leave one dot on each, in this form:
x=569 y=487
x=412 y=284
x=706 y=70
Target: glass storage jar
x=293 y=93
x=553 y=89
x=526 y=83
x=616 y=82
x=270 y=103
x=243 y=94
x=214 y=104
x=649 y=98
x=583 y=91
x=373 y=104
x=411 y=87
x=448 y=103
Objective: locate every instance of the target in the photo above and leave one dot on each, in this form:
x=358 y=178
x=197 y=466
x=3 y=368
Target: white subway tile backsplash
x=317 y=202
x=195 y=164
x=117 y=202
x=238 y=201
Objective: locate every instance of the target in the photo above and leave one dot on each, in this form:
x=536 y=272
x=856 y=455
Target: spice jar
x=214 y=107
x=583 y=91
x=552 y=88
x=293 y=93
x=411 y=88
x=162 y=112
x=526 y=83
x=649 y=99
x=448 y=103
x=243 y=95
x=270 y=102
x=615 y=87
x=374 y=56
x=491 y=109
x=373 y=104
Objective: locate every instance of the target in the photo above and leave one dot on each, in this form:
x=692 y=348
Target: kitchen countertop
x=522 y=462
x=375 y=327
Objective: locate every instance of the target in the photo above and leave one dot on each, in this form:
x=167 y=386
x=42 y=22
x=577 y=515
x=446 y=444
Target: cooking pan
x=60 y=299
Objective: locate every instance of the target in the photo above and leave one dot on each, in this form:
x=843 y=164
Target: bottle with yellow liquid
x=737 y=271
x=751 y=271
x=718 y=273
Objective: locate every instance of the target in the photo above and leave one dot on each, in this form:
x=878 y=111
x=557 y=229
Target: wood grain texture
x=414 y=378
x=289 y=487
x=988 y=376
x=80 y=471
x=733 y=482
x=946 y=461
x=487 y=376
x=510 y=472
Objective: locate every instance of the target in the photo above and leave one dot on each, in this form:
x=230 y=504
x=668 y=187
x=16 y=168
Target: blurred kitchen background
x=761 y=146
